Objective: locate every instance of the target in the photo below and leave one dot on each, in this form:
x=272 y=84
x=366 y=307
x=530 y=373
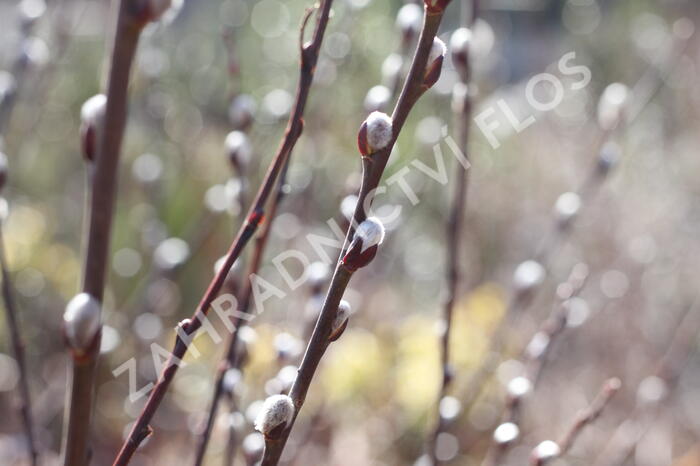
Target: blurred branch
x=373 y=168
x=12 y=315
x=462 y=117
x=103 y=192
x=309 y=57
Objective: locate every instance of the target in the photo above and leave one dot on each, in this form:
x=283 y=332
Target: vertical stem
x=103 y=192
x=18 y=351
x=371 y=176
x=454 y=234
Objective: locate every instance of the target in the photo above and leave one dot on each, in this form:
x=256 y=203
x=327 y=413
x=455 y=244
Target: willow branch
x=12 y=316
x=309 y=57
x=371 y=175
x=104 y=187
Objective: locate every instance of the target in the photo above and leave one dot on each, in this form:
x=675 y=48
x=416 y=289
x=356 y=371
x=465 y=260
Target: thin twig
x=454 y=231
x=12 y=315
x=587 y=416
x=104 y=184
x=373 y=168
x=232 y=359
x=309 y=57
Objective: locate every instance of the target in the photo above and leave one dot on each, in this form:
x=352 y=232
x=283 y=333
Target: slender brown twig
x=103 y=194
x=309 y=57
x=232 y=359
x=372 y=170
x=548 y=450
x=12 y=315
x=462 y=107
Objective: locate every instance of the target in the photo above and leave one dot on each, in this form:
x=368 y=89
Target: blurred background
x=212 y=67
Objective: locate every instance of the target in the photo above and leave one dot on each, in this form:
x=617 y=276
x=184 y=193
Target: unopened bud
x=506 y=433
x=409 y=20
x=434 y=66
x=30 y=11
x=317 y=273
x=377 y=98
x=253 y=446
x=340 y=322
x=239 y=149
x=368 y=236
x=242 y=111
x=92 y=115
x=375 y=133
x=391 y=70
x=566 y=207
x=436 y=6
x=274 y=416
x=528 y=276
x=81 y=322
x=545 y=451
x=459 y=46
x=611 y=106
x=519 y=387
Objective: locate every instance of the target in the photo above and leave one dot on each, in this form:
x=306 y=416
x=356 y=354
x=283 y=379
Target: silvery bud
x=528 y=276
x=242 y=110
x=434 y=67
x=340 y=322
x=459 y=46
x=545 y=451
x=3 y=170
x=375 y=133
x=92 y=115
x=274 y=416
x=611 y=107
x=238 y=149
x=363 y=247
x=81 y=322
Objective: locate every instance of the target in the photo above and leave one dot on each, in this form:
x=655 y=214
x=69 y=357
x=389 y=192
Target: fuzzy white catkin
x=93 y=110
x=238 y=145
x=611 y=105
x=391 y=67
x=528 y=275
x=379 y=130
x=546 y=450
x=567 y=206
x=438 y=49
x=371 y=232
x=519 y=387
x=82 y=320
x=344 y=311
x=377 y=98
x=276 y=410
x=409 y=18
x=459 y=41
x=506 y=433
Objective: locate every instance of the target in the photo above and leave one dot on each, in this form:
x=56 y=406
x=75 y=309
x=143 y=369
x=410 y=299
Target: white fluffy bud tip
x=612 y=104
x=371 y=232
x=546 y=451
x=238 y=148
x=93 y=110
x=506 y=433
x=156 y=8
x=340 y=321
x=460 y=40
x=519 y=387
x=375 y=133
x=377 y=98
x=274 y=416
x=528 y=275
x=82 y=321
x=409 y=19
x=567 y=206
x=438 y=49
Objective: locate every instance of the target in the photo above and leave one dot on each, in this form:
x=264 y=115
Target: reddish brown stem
x=309 y=57
x=371 y=176
x=12 y=315
x=103 y=192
